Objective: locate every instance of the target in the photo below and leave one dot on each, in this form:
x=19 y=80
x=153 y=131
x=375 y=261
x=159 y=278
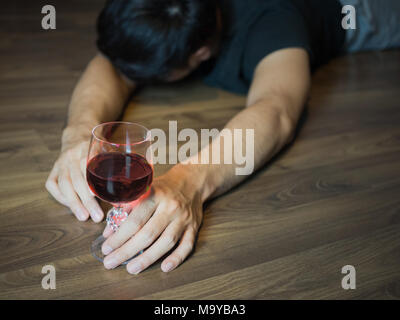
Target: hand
x=172 y=212
x=67 y=182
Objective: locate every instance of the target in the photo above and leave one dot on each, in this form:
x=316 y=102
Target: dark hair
x=146 y=39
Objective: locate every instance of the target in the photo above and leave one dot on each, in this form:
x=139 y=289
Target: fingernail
x=108 y=231
x=106 y=249
x=110 y=263
x=168 y=267
x=99 y=213
x=135 y=268
x=97 y=217
x=81 y=216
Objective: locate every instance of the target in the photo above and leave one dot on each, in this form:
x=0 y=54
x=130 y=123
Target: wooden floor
x=329 y=200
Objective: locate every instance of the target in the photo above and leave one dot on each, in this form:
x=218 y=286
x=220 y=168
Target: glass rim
x=147 y=138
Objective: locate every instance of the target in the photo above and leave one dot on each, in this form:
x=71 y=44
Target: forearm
x=273 y=129
x=276 y=98
x=99 y=96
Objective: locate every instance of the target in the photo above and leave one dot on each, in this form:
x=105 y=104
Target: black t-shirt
x=252 y=29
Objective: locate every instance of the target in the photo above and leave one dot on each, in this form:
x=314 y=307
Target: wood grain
x=328 y=200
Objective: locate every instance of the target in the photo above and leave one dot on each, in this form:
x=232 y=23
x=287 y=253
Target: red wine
x=116 y=177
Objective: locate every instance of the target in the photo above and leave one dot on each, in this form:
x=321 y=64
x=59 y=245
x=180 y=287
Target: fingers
x=68 y=186
x=82 y=165
x=141 y=240
x=82 y=189
x=52 y=187
x=163 y=244
x=83 y=169
x=181 y=252
x=74 y=203
x=139 y=215
x=107 y=231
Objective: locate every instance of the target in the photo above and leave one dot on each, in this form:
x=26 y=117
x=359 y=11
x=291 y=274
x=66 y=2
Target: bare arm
x=276 y=99
x=99 y=96
x=174 y=211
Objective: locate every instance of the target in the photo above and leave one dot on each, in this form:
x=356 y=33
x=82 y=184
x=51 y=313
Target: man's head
x=157 y=40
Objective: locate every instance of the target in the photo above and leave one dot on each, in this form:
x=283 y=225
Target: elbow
x=287 y=127
x=285 y=121
x=282 y=117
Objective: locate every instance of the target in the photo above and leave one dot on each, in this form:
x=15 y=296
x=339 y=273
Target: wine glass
x=119 y=170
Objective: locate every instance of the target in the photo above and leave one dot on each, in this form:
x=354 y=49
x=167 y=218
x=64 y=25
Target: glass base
x=95 y=248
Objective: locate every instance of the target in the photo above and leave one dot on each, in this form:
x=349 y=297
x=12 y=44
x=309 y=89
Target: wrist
x=196 y=178
x=74 y=134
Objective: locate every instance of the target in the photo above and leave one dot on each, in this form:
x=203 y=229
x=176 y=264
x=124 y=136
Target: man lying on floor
x=263 y=48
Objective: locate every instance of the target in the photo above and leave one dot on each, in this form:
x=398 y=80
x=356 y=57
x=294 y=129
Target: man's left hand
x=171 y=213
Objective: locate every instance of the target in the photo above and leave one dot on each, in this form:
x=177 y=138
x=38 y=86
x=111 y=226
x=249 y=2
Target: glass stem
x=116 y=216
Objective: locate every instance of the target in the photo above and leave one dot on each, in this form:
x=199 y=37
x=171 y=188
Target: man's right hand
x=99 y=96
x=67 y=182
